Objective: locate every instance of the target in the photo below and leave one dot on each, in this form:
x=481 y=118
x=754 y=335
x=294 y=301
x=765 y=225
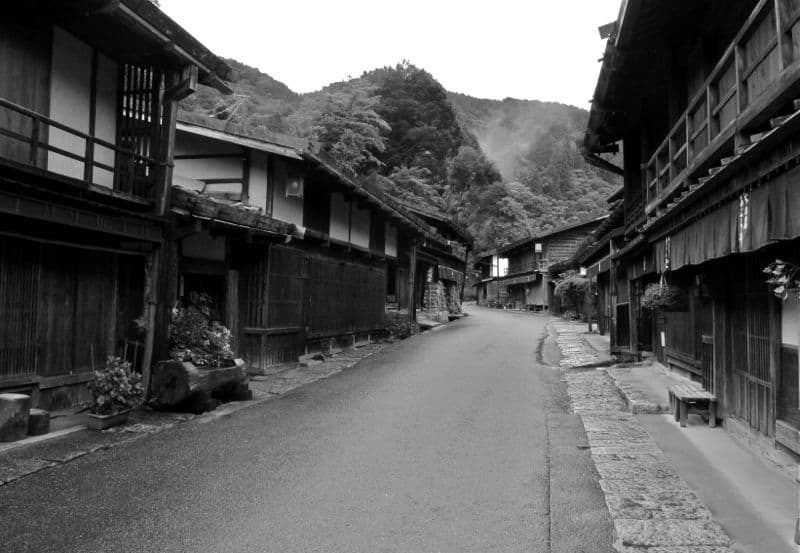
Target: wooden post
x=633 y=315
x=784 y=45
x=150 y=308
x=774 y=361
x=232 y=307
x=412 y=278
x=246 y=177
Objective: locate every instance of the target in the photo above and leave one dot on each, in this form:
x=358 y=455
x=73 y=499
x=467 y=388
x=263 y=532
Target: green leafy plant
x=399 y=326
x=784 y=278
x=661 y=295
x=115 y=388
x=573 y=289
x=195 y=337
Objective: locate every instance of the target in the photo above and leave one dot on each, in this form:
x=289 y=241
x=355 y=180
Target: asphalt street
x=458 y=440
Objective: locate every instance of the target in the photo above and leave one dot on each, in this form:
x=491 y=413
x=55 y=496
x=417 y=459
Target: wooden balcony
x=519 y=268
x=756 y=77
x=26 y=140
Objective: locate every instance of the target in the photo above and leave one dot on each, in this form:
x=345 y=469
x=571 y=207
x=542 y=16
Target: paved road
x=454 y=441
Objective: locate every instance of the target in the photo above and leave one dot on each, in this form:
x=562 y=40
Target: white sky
x=534 y=49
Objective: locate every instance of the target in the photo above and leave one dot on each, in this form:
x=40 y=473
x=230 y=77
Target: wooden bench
x=683 y=397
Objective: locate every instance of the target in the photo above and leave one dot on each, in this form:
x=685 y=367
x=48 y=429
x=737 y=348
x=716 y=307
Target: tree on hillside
x=425 y=130
x=345 y=121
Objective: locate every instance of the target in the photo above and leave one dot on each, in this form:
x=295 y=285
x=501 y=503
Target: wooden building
x=295 y=253
x=489 y=269
x=527 y=282
x=441 y=273
x=703 y=97
x=88 y=95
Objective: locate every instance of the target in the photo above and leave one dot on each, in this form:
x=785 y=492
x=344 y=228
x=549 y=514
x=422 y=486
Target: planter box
x=101 y=422
x=175 y=382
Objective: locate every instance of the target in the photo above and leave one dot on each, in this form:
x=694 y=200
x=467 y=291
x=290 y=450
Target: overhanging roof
x=645 y=35
x=131 y=31
x=286 y=149
x=572 y=226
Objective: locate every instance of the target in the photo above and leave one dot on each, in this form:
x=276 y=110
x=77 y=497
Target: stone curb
x=637 y=403
x=653 y=509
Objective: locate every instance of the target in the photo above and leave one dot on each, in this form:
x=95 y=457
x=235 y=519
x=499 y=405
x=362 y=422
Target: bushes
x=573 y=290
x=115 y=388
x=399 y=326
x=195 y=337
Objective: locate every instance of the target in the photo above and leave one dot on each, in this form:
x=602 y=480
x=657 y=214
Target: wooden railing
x=28 y=137
x=516 y=268
x=756 y=68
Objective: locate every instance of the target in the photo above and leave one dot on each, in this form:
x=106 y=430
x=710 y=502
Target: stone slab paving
x=653 y=509
x=638 y=401
x=575 y=350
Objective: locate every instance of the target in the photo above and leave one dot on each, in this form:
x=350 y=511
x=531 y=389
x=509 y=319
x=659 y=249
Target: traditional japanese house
x=527 y=280
x=489 y=269
x=442 y=270
x=88 y=94
x=593 y=259
x=293 y=252
x=703 y=96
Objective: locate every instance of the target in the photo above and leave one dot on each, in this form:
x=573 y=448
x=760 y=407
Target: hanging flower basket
x=784 y=278
x=661 y=296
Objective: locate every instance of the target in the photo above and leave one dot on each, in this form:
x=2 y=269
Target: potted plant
x=661 y=296
x=116 y=389
x=784 y=278
x=202 y=362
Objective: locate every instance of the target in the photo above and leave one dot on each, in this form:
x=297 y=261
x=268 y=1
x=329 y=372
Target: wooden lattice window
x=141 y=90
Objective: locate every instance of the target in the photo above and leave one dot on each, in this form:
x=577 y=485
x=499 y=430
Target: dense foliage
x=661 y=295
x=501 y=169
x=399 y=326
x=195 y=337
x=574 y=290
x=115 y=388
x=784 y=278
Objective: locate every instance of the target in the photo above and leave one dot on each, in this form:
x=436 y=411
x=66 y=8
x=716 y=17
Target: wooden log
x=174 y=382
x=14 y=409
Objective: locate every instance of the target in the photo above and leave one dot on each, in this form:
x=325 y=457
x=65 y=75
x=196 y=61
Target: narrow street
x=454 y=441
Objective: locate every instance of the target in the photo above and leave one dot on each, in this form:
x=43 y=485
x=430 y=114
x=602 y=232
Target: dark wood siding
x=62 y=309
x=749 y=346
x=288 y=295
x=788 y=401
x=25 y=53
x=344 y=297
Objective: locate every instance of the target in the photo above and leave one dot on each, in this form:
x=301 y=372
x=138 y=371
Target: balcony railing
x=516 y=268
x=29 y=141
x=758 y=67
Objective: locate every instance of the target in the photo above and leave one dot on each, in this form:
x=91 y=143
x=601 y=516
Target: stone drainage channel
x=653 y=509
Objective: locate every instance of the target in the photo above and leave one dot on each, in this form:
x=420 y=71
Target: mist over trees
x=501 y=169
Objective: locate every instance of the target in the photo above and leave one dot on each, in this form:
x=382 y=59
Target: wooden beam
x=412 y=272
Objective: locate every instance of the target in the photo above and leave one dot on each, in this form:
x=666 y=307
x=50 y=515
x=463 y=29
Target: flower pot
x=101 y=422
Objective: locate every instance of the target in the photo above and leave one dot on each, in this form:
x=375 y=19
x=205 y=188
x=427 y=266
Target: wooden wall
x=63 y=310
x=289 y=295
x=25 y=49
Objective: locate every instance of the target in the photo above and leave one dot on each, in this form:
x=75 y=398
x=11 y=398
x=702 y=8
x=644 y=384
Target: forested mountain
x=502 y=169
